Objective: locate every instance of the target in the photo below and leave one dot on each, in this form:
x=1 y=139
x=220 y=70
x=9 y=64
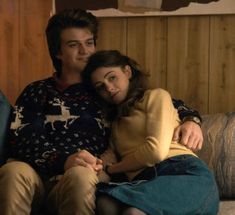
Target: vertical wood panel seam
x=126 y=25
x=166 y=51
x=209 y=68
x=166 y=22
x=19 y=45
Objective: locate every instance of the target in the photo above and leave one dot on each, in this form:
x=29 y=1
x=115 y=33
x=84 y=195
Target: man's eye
x=89 y=43
x=72 y=44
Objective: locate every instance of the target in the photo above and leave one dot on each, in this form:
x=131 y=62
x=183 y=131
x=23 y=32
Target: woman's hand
x=108 y=157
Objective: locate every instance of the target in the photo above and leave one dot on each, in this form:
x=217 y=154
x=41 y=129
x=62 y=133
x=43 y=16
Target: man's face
x=77 y=44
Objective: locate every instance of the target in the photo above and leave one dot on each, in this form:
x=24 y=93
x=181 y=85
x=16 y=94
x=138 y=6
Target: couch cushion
x=4 y=116
x=227 y=208
x=219 y=150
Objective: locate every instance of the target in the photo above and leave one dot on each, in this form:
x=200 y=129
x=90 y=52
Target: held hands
x=189 y=134
x=108 y=157
x=85 y=159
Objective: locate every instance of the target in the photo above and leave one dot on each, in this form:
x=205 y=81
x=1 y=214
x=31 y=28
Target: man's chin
x=81 y=67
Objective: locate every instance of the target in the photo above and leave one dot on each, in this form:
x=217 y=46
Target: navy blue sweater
x=49 y=124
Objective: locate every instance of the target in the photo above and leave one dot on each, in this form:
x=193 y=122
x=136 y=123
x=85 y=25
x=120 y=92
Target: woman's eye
x=112 y=78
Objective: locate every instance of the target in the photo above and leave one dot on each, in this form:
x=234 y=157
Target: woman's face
x=112 y=83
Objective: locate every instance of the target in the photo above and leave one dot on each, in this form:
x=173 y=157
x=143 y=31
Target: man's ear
x=58 y=56
x=128 y=71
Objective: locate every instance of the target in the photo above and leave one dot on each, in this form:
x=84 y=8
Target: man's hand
x=189 y=134
x=85 y=159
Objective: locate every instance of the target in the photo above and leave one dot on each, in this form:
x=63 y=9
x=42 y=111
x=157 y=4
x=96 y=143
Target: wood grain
x=222 y=64
x=9 y=47
x=187 y=60
x=146 y=43
x=193 y=57
x=112 y=34
x=34 y=58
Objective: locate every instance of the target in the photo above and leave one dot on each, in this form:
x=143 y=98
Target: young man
x=57 y=117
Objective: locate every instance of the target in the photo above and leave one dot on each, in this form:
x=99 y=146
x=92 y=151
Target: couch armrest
x=219 y=150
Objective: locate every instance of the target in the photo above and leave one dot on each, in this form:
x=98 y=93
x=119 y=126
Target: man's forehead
x=76 y=34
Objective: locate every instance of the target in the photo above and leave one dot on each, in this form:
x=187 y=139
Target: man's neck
x=66 y=80
x=70 y=78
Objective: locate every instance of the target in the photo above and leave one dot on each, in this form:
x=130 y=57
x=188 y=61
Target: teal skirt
x=180 y=185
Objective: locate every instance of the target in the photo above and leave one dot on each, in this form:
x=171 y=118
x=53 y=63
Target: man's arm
x=186 y=113
x=189 y=132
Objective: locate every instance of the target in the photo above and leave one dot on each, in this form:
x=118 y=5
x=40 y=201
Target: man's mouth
x=83 y=59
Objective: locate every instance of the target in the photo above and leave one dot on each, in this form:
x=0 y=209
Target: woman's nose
x=110 y=88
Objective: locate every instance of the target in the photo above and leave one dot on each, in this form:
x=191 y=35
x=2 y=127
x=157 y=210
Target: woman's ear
x=128 y=71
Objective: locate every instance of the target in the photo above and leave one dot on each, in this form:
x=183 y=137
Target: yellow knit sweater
x=146 y=134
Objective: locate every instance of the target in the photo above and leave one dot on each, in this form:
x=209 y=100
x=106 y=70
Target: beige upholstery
x=219 y=153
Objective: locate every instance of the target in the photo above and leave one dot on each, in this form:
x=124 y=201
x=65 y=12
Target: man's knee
x=75 y=192
x=80 y=177
x=17 y=171
x=17 y=178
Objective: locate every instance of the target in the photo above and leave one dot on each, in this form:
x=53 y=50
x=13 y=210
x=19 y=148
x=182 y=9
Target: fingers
x=191 y=135
x=176 y=135
x=186 y=139
x=85 y=159
x=80 y=162
x=191 y=142
x=99 y=161
x=98 y=167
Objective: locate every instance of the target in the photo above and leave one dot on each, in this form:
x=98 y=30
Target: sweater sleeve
x=185 y=111
x=161 y=119
x=28 y=137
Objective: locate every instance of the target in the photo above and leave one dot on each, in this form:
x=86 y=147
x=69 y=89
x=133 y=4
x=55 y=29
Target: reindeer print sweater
x=51 y=122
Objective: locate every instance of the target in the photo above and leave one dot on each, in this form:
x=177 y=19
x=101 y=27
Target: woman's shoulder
x=157 y=92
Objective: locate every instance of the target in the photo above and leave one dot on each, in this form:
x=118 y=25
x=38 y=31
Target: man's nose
x=82 y=49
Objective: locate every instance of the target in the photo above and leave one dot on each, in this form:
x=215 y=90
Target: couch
x=218 y=150
x=219 y=153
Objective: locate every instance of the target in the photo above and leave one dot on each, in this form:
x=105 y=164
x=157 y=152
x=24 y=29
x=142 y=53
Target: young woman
x=164 y=177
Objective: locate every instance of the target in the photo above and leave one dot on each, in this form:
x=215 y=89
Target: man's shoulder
x=36 y=88
x=41 y=82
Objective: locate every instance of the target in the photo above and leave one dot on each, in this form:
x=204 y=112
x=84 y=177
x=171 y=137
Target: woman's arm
x=161 y=119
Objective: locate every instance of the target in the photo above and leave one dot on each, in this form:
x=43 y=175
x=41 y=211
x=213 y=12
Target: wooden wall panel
x=187 y=60
x=9 y=46
x=34 y=59
x=112 y=34
x=146 y=43
x=222 y=64
x=191 y=56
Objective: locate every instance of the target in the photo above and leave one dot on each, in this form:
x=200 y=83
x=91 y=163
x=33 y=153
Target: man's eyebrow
x=78 y=41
